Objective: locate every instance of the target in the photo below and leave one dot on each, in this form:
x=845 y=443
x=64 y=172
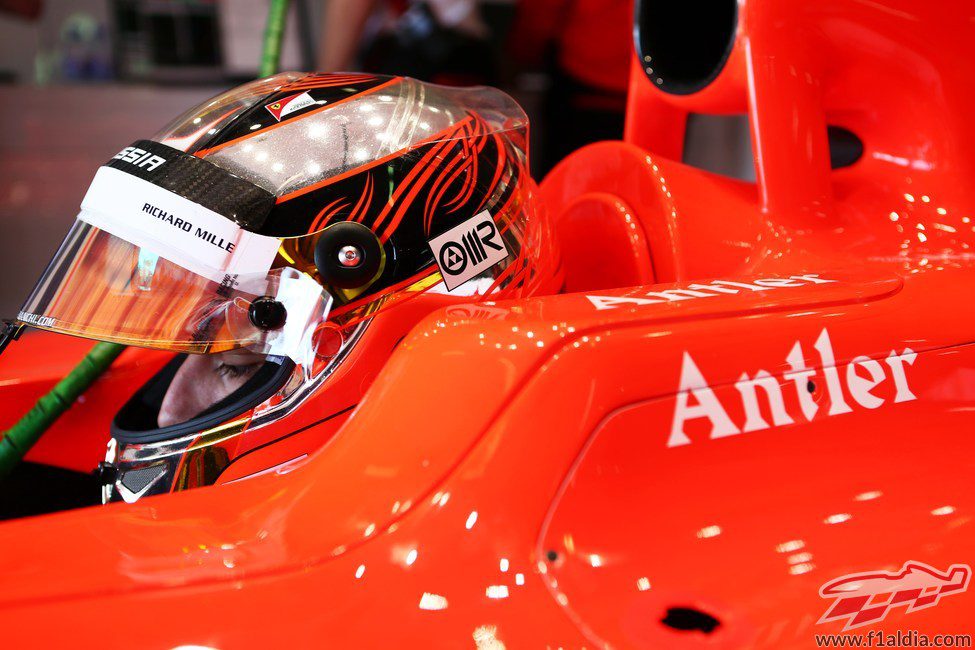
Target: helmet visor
x=103 y=287
x=145 y=265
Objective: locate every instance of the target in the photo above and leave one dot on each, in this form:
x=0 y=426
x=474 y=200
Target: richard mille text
x=186 y=226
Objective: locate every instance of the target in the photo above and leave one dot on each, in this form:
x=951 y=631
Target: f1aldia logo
x=864 y=598
x=468 y=249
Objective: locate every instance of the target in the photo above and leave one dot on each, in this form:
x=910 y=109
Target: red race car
x=385 y=391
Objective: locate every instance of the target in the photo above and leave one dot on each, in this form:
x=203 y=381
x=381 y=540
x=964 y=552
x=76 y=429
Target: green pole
x=273 y=37
x=19 y=438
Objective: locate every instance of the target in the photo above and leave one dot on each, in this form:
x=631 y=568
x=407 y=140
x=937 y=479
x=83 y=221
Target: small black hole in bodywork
x=688 y=619
x=684 y=45
x=811 y=386
x=845 y=148
x=551 y=556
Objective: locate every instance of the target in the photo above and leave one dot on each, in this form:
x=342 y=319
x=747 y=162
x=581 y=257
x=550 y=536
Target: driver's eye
x=234 y=371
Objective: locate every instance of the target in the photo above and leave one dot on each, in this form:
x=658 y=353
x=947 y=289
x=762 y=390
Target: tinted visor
x=162 y=256
x=102 y=287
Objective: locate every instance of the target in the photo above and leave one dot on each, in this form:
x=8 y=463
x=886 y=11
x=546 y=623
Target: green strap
x=19 y=438
x=273 y=37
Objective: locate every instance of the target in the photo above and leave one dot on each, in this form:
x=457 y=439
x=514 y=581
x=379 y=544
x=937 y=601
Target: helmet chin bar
x=139 y=465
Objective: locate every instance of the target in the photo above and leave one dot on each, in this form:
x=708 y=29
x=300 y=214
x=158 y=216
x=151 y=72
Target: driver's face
x=202 y=381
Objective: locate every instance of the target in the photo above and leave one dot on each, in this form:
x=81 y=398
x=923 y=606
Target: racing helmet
x=301 y=223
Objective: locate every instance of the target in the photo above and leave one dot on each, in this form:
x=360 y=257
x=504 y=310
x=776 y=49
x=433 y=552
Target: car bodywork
x=749 y=390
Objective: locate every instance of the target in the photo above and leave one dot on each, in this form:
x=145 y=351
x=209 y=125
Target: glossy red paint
x=513 y=475
x=36 y=362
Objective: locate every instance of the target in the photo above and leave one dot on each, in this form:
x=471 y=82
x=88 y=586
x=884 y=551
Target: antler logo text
x=696 y=400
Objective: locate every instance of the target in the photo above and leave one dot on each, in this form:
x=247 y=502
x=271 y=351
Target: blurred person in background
x=586 y=46
x=442 y=41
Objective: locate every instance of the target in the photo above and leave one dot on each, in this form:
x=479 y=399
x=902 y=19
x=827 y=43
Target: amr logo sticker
x=468 y=249
x=697 y=401
x=864 y=598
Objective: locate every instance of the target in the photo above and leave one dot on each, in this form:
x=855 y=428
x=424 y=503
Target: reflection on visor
x=102 y=287
x=147 y=268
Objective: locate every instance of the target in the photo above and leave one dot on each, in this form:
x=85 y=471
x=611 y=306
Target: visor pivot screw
x=267 y=314
x=350 y=256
